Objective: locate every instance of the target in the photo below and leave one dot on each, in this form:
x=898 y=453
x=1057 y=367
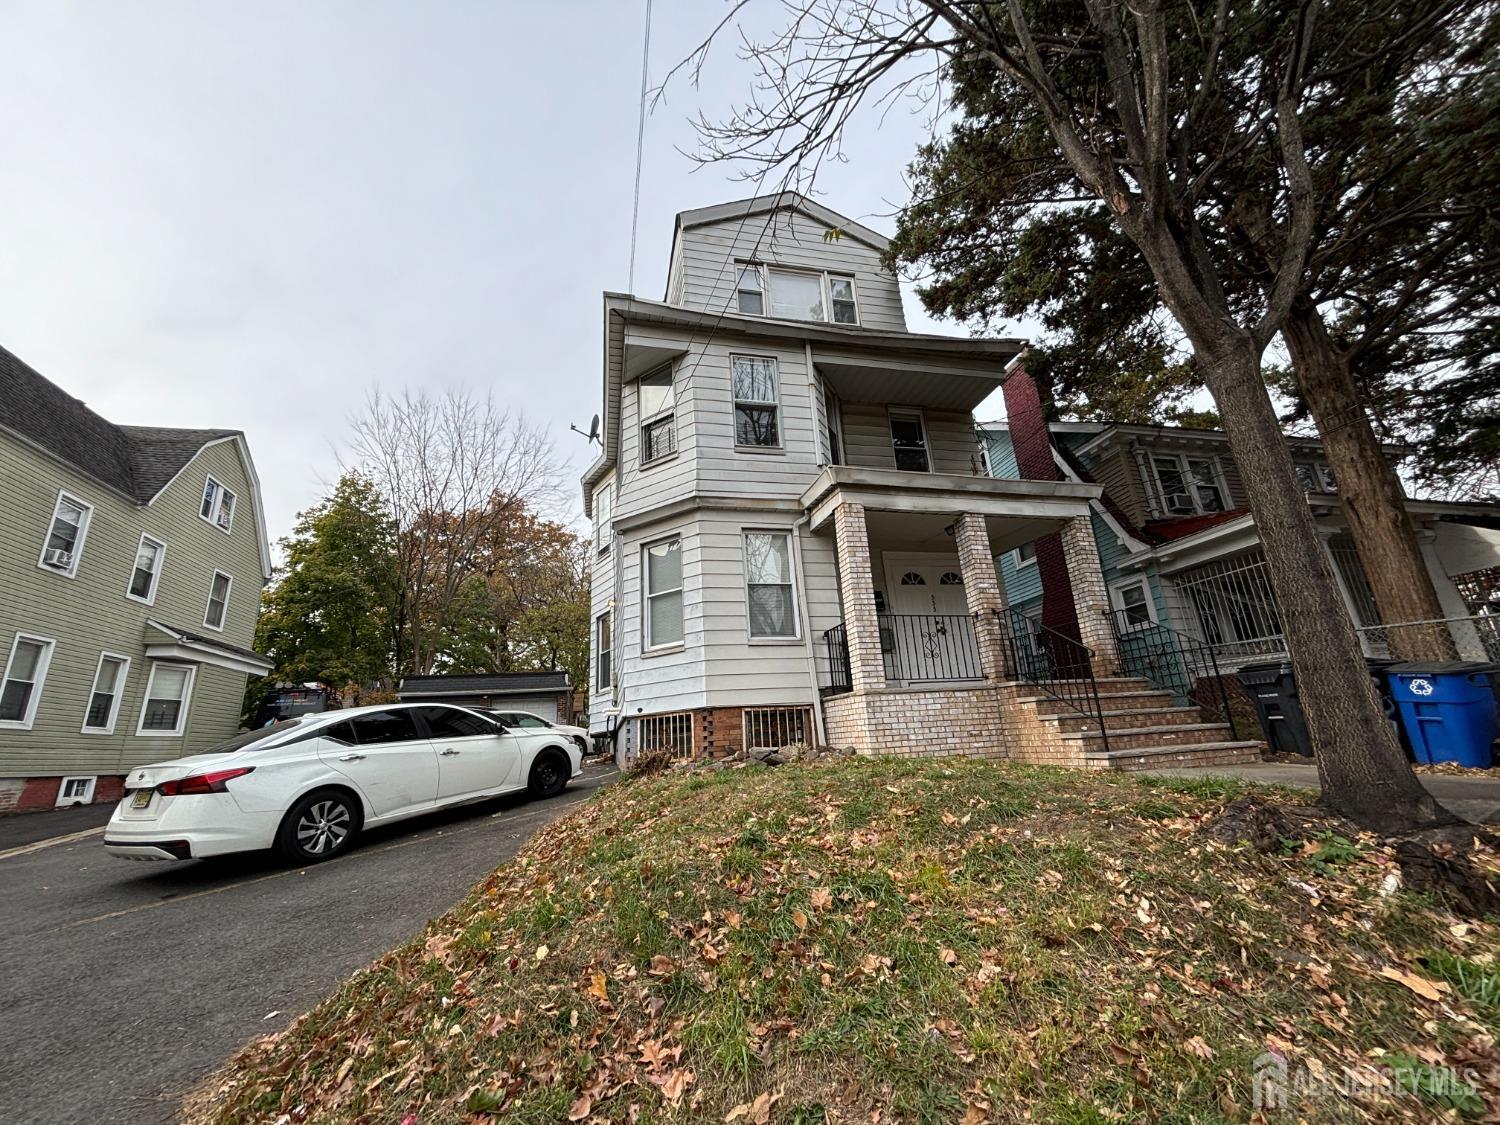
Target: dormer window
x=1189 y=485
x=796 y=294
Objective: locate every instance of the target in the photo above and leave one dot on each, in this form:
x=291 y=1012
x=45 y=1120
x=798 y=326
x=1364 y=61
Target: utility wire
x=640 y=140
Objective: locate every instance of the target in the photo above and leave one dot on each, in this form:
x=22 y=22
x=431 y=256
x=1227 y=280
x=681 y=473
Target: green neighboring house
x=131 y=565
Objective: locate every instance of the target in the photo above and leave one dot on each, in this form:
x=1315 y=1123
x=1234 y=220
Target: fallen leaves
x=757 y=1112
x=1426 y=989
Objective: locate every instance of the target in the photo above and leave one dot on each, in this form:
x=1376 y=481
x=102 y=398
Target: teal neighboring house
x=1179 y=548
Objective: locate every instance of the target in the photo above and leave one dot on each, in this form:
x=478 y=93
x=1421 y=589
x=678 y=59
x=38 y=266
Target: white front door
x=927 y=636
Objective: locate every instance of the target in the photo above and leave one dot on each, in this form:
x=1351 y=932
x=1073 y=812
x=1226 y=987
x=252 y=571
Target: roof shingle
x=135 y=460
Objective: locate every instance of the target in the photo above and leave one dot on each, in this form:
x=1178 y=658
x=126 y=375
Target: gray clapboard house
x=794 y=524
x=131 y=563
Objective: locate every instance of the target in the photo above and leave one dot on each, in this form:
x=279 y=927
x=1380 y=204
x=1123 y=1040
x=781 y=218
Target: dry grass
x=893 y=940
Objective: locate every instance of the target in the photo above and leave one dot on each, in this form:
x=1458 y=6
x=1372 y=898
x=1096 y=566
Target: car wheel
x=318 y=827
x=549 y=774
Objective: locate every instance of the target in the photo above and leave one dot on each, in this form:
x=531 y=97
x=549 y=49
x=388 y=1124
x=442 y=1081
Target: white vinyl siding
x=62 y=550
x=169 y=692
x=866 y=430
x=25 y=675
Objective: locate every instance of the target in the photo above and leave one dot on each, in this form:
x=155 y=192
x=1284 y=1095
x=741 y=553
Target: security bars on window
x=775 y=728
x=672 y=732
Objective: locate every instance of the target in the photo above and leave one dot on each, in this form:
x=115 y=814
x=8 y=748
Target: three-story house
x=794 y=525
x=131 y=563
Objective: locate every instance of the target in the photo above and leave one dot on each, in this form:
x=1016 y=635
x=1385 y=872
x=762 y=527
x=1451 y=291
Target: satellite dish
x=594 y=429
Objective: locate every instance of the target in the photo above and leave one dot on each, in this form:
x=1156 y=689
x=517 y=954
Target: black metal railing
x=1172 y=661
x=929 y=647
x=836 y=647
x=1058 y=665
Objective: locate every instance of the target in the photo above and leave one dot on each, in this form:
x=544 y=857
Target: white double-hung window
x=218 y=505
x=603 y=514
x=65 y=535
x=168 y=691
x=663 y=583
x=104 y=699
x=146 y=573
x=757 y=411
x=218 y=600
x=25 y=672
x=658 y=401
x=768 y=579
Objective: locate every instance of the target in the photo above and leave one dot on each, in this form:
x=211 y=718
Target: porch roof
x=1015 y=511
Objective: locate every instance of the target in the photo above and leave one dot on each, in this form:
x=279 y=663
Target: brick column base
x=984 y=593
x=1089 y=594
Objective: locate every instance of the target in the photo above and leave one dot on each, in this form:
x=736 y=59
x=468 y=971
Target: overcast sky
x=246 y=215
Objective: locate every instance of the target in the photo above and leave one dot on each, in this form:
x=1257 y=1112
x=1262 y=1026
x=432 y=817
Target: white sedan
x=528 y=721
x=306 y=787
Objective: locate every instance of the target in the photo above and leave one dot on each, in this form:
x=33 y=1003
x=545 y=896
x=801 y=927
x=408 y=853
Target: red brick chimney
x=1033 y=448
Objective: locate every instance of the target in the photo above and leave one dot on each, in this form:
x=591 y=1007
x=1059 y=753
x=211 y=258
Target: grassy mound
x=897 y=940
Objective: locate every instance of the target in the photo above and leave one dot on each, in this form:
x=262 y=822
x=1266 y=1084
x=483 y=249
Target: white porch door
x=928 y=636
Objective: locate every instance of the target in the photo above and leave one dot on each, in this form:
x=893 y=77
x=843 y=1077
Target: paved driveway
x=125 y=983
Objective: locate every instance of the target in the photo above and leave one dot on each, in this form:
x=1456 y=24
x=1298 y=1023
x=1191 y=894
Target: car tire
x=549 y=774
x=319 y=826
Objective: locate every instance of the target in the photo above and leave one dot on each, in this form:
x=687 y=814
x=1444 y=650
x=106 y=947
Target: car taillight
x=213 y=782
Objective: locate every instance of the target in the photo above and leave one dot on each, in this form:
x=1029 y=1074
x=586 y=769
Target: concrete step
x=1071 y=722
x=1112 y=701
x=1204 y=754
x=1133 y=738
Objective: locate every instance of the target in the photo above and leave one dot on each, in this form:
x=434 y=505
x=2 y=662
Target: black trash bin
x=1273 y=689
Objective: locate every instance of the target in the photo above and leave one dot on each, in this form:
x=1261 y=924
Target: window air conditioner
x=58 y=558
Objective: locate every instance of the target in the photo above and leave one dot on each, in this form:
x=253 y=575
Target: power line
x=640 y=141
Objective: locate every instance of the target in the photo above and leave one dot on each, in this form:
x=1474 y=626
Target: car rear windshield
x=248 y=738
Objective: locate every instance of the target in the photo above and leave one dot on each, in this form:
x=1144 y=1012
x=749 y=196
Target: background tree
x=1145 y=105
x=326 y=618
x=450 y=469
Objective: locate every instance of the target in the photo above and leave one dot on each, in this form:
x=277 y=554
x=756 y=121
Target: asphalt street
x=126 y=983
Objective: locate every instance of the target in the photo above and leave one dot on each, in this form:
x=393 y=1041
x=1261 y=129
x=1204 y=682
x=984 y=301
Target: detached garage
x=542 y=693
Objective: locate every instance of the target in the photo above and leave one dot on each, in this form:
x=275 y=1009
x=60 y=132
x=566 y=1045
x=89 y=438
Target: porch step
x=1159 y=718
x=1134 y=738
x=1108 y=701
x=1107 y=685
x=1203 y=754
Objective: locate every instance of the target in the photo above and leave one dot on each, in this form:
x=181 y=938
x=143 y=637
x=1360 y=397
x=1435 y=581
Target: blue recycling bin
x=1448 y=709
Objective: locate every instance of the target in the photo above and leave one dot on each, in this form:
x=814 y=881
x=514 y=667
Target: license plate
x=141 y=799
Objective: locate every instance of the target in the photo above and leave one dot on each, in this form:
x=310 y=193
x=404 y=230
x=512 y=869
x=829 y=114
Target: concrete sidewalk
x=1476 y=799
x=20 y=829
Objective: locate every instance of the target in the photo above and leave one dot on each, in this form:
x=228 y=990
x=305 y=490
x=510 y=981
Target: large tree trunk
x=1373 y=501
x=1363 y=770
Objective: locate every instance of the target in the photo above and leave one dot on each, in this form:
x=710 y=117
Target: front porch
x=930 y=660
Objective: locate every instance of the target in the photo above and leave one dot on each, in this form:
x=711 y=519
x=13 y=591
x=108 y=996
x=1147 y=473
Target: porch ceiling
x=915 y=509
x=941 y=386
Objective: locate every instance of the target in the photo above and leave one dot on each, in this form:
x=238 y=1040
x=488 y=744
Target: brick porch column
x=857 y=584
x=984 y=593
x=1089 y=594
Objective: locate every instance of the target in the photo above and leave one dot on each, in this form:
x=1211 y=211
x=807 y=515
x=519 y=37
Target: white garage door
x=543 y=705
